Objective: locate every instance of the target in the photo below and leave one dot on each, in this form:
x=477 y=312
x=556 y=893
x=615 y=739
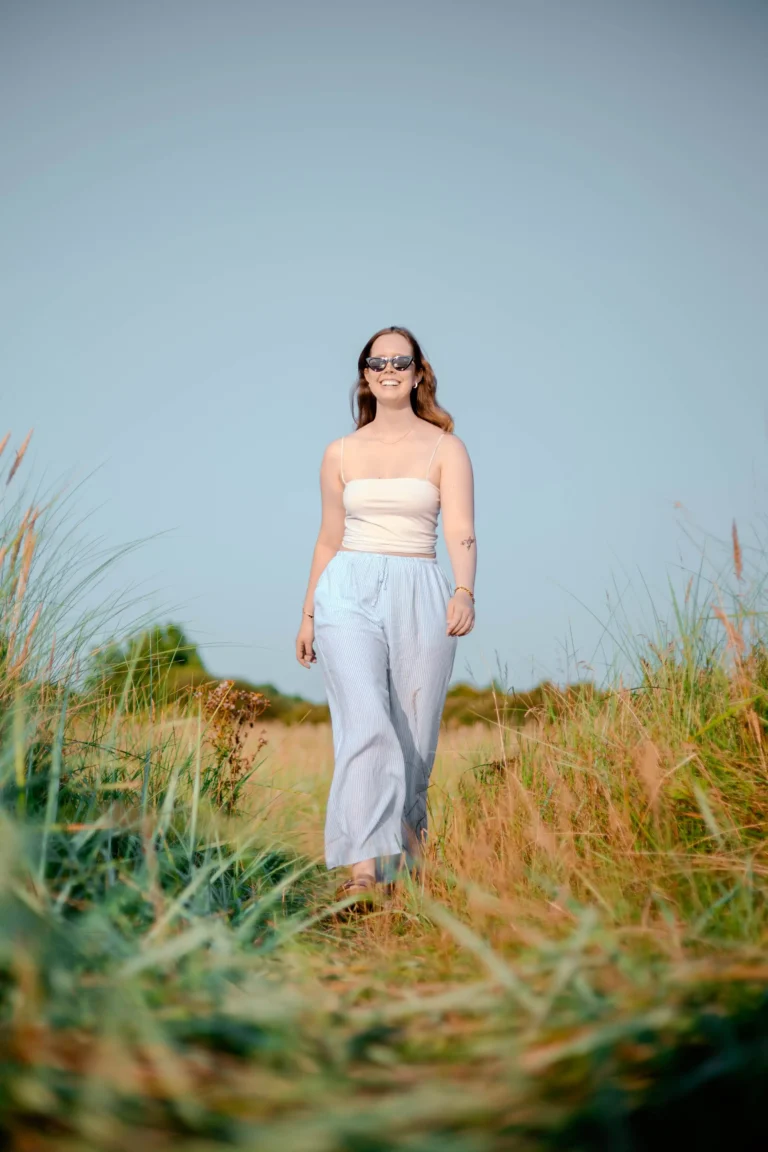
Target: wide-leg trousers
x=386 y=659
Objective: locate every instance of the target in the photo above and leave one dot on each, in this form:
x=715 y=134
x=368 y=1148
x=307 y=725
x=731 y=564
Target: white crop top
x=391 y=514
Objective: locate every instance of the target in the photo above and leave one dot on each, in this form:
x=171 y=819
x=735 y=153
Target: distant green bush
x=162 y=664
x=155 y=664
x=466 y=704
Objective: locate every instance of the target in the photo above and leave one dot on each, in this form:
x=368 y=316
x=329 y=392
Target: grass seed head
x=648 y=765
x=737 y=557
x=19 y=456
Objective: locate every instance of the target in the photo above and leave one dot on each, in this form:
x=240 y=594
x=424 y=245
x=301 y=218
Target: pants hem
x=347 y=859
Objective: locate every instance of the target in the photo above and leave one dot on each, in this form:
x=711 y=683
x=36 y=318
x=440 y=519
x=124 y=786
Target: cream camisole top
x=391 y=514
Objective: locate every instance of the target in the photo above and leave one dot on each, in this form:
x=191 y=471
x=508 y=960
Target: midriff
x=413 y=555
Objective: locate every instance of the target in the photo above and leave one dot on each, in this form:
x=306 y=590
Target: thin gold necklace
x=379 y=440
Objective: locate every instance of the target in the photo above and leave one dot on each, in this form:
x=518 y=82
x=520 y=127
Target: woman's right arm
x=328 y=542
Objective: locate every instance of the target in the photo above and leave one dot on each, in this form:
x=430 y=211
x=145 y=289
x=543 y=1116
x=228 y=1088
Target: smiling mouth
x=390 y=383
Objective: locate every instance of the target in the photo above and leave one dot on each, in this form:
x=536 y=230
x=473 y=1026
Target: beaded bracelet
x=463 y=588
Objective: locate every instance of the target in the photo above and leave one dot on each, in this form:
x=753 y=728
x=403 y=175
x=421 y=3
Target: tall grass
x=581 y=963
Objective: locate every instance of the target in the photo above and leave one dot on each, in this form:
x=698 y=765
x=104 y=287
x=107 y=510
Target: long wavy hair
x=423 y=398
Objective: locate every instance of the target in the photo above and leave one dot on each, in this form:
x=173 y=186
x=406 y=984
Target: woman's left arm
x=457 y=498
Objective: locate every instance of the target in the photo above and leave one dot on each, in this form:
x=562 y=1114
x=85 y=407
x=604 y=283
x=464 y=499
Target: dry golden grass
x=644 y=807
x=295 y=768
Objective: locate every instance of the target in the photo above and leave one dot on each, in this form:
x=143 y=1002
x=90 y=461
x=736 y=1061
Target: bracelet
x=310 y=614
x=463 y=588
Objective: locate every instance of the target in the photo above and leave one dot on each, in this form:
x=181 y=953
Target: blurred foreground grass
x=582 y=966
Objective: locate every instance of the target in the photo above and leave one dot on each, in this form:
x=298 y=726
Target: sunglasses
x=379 y=363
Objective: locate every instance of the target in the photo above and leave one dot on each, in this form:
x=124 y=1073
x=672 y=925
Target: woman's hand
x=461 y=614
x=305 y=652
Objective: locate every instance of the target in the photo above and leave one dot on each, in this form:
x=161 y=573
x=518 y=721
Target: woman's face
x=391 y=385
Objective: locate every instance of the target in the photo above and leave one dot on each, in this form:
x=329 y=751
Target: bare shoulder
x=330 y=466
x=453 y=450
x=432 y=435
x=332 y=453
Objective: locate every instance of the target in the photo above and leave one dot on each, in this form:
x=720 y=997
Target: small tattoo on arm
x=468 y=542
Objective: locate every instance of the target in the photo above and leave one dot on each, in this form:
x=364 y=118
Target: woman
x=380 y=609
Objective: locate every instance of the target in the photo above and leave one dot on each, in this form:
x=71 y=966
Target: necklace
x=379 y=440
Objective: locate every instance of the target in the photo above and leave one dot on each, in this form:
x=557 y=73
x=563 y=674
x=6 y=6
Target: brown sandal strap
x=364 y=882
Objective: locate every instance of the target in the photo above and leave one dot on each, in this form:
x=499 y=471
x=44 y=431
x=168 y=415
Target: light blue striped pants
x=386 y=661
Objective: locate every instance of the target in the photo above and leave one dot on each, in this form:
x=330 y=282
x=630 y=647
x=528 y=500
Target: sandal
x=356 y=887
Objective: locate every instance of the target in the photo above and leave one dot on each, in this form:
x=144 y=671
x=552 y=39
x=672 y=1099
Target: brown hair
x=423 y=399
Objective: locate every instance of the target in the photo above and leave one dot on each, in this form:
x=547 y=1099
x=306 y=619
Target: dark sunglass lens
x=402 y=363
x=376 y=363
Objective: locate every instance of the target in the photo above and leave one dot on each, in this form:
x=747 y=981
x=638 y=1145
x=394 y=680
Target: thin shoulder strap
x=342 y=461
x=426 y=474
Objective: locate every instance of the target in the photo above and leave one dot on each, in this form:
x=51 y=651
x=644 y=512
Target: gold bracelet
x=463 y=588
x=310 y=614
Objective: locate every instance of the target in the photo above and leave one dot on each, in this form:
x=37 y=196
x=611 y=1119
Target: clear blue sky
x=208 y=206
